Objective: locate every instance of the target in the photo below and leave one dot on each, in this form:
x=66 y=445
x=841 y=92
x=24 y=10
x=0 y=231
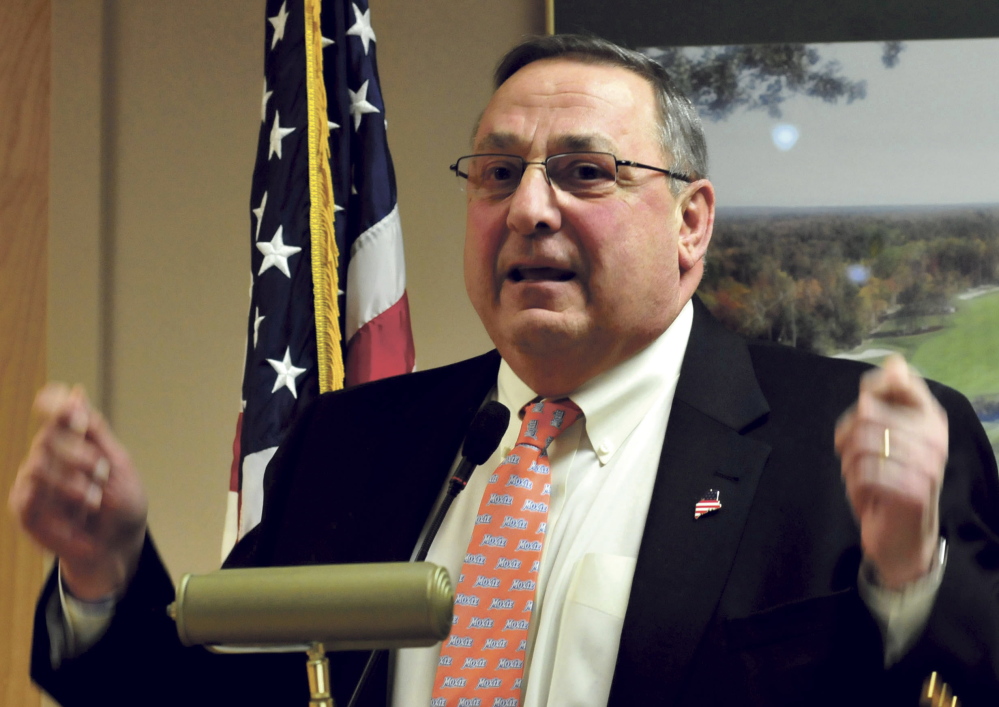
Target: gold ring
x=886 y=447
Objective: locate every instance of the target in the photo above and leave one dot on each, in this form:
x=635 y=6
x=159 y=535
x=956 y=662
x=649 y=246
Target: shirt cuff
x=902 y=614
x=83 y=622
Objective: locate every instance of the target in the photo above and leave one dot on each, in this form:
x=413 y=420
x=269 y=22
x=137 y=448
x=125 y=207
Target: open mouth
x=541 y=275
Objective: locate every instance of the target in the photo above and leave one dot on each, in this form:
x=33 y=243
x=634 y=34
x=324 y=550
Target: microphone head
x=485 y=432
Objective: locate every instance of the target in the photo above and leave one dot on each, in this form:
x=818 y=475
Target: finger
x=102 y=471
x=51 y=398
x=39 y=510
x=75 y=496
x=905 y=476
x=66 y=472
x=890 y=483
x=844 y=428
x=94 y=494
x=68 y=453
x=58 y=405
x=896 y=383
x=889 y=476
x=867 y=440
x=106 y=443
x=54 y=514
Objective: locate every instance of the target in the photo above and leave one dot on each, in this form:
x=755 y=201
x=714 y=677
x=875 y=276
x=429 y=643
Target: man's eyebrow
x=584 y=143
x=497 y=141
x=561 y=143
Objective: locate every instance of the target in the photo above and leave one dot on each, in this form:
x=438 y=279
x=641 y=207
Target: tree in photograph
x=720 y=80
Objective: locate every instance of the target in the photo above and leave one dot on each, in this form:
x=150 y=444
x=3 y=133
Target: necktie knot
x=544 y=420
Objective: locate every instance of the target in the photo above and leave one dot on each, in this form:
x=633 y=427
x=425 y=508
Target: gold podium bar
x=344 y=607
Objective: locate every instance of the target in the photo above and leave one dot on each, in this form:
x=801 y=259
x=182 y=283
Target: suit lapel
x=683 y=563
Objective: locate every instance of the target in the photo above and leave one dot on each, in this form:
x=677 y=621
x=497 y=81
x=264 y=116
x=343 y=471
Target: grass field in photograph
x=964 y=354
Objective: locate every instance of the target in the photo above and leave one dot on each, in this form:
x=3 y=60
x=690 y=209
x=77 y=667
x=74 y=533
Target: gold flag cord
x=325 y=256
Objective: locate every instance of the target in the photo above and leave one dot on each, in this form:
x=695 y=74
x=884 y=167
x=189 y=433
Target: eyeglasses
x=581 y=173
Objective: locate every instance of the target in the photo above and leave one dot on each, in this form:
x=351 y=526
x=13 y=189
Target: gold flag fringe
x=325 y=256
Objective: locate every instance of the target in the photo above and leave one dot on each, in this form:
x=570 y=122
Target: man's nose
x=534 y=204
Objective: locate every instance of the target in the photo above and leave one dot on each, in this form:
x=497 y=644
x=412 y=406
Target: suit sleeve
x=961 y=638
x=140 y=659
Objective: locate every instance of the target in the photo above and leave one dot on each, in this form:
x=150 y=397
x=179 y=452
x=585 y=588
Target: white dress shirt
x=603 y=469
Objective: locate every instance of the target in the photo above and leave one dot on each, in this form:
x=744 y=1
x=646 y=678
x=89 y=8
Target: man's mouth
x=541 y=275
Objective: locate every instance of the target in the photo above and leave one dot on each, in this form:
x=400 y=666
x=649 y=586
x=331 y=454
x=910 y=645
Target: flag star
x=337 y=208
x=259 y=213
x=362 y=27
x=257 y=319
x=333 y=126
x=276 y=253
x=263 y=102
x=278 y=134
x=286 y=373
x=358 y=105
x=278 y=21
x=327 y=42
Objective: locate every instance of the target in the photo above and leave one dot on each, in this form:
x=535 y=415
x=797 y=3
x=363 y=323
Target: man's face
x=568 y=286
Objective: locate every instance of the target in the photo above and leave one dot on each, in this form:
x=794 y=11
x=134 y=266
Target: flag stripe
x=376 y=276
x=378 y=349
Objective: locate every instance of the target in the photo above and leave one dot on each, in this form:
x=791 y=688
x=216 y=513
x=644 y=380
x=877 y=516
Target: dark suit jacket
x=754 y=604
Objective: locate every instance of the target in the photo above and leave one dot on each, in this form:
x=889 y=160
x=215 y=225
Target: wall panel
x=25 y=35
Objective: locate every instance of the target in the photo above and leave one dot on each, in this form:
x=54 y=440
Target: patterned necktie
x=482 y=662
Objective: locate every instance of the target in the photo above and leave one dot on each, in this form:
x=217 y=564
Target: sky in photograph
x=926 y=134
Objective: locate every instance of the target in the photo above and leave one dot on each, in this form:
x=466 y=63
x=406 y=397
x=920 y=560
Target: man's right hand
x=78 y=495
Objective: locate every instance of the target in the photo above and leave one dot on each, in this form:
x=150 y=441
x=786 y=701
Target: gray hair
x=680 y=133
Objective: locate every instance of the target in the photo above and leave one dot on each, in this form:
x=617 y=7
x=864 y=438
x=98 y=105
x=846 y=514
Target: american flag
x=293 y=349
x=709 y=503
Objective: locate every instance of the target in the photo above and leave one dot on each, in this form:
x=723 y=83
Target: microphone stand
x=455 y=486
x=483 y=437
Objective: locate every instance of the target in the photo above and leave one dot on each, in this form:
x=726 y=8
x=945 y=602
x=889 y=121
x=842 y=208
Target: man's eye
x=581 y=174
x=587 y=172
x=498 y=173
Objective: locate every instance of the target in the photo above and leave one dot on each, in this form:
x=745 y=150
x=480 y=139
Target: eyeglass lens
x=573 y=172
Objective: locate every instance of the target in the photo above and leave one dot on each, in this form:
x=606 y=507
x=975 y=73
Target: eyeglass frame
x=544 y=163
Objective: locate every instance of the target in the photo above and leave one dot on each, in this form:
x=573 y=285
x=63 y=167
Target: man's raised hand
x=893 y=448
x=78 y=495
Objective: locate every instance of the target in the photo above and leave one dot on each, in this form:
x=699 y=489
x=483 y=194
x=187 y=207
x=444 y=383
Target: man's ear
x=697 y=211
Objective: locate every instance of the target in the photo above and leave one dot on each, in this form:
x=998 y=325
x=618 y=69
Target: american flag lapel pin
x=709 y=503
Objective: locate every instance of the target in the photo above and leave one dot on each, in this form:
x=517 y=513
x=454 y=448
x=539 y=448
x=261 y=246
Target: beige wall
x=155 y=116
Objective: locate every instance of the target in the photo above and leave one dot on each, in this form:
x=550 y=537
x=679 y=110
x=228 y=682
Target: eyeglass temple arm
x=674 y=175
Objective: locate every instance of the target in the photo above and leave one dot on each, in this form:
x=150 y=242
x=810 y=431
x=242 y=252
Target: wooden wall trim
x=25 y=44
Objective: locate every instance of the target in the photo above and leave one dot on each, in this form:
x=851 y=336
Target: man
x=799 y=580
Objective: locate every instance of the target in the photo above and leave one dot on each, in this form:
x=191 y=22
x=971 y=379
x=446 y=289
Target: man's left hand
x=893 y=448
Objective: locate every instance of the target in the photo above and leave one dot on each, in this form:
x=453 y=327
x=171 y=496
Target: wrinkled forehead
x=561 y=105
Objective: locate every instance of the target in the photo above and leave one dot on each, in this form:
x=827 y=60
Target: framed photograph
x=858 y=204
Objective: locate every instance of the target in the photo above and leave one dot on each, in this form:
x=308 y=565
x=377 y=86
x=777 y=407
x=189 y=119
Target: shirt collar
x=615 y=401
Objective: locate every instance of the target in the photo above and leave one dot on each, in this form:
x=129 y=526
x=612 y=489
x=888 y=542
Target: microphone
x=481 y=440
x=484 y=435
